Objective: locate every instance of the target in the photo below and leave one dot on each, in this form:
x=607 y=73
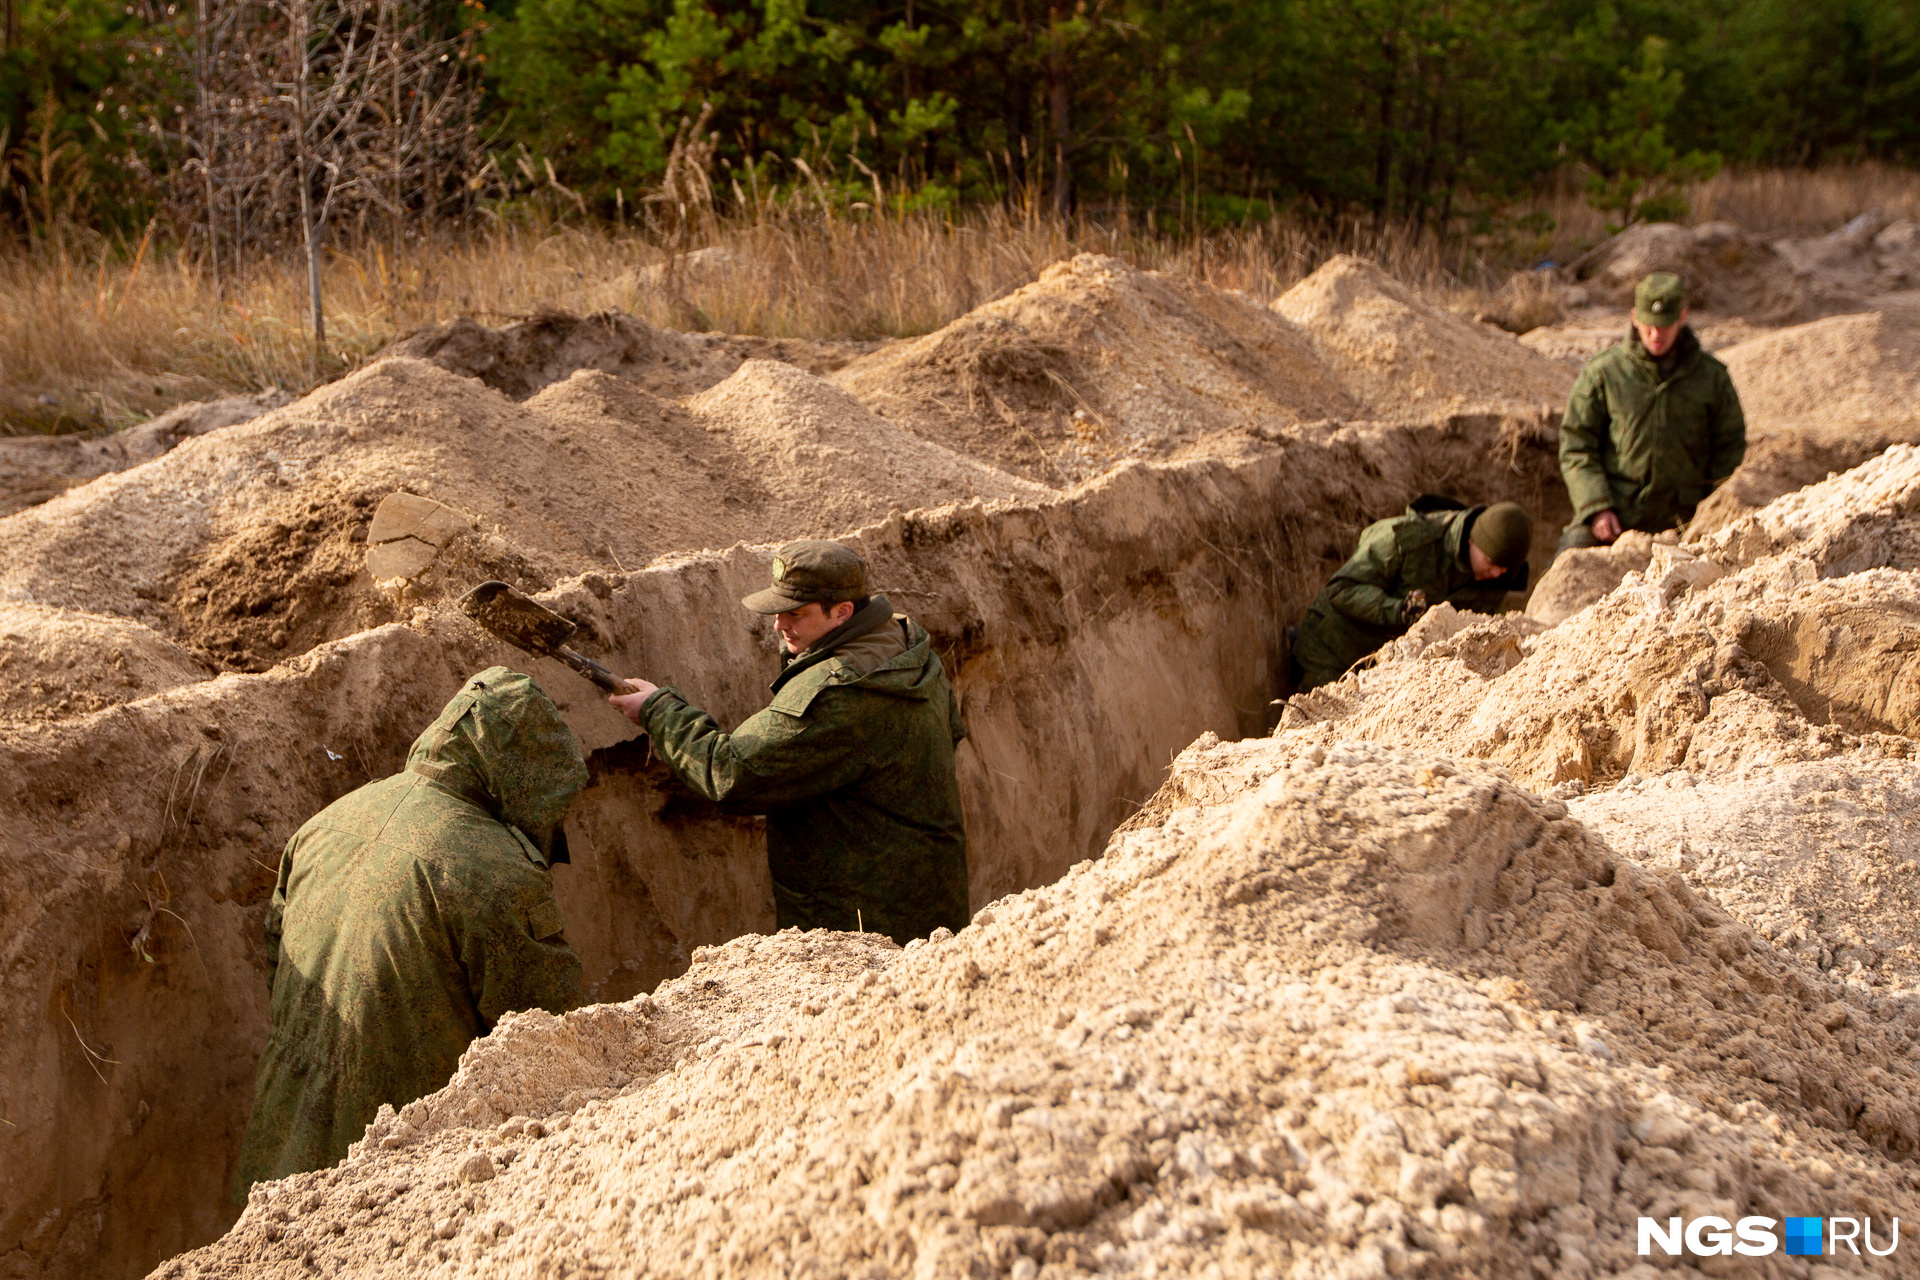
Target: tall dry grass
x=94 y=335
x=90 y=337
x=1766 y=202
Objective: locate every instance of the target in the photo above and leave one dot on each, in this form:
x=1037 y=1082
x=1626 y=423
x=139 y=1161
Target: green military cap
x=811 y=570
x=1503 y=533
x=1659 y=299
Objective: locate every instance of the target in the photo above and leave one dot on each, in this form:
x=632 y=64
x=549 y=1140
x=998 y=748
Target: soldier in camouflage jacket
x=1653 y=425
x=852 y=760
x=1469 y=557
x=409 y=917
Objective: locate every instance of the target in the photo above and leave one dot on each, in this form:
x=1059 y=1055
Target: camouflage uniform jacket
x=410 y=915
x=1645 y=446
x=1359 y=608
x=852 y=762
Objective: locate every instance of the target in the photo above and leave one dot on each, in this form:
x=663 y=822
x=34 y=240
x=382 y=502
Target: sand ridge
x=1405 y=357
x=1361 y=1009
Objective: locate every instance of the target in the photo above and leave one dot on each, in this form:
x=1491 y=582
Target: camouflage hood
x=501 y=744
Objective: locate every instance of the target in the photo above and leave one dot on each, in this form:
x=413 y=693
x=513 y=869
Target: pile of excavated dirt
x=1728 y=271
x=520 y=358
x=55 y=663
x=1778 y=462
x=1403 y=357
x=35 y=468
x=824 y=458
x=1870 y=255
x=1356 y=1013
x=1096 y=362
x=248 y=544
x=1823 y=859
x=1854 y=371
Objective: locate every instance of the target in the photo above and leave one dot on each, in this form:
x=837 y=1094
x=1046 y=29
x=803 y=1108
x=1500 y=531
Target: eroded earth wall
x=1091 y=637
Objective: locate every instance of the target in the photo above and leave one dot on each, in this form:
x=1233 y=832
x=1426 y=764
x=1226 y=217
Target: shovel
x=532 y=627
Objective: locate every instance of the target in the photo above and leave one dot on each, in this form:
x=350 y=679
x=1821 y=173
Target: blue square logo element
x=1803 y=1235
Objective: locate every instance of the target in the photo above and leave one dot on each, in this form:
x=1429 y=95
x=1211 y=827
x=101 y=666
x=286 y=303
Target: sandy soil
x=1535 y=925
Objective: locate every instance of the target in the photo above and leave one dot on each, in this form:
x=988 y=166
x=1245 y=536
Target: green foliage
x=1433 y=112
x=85 y=105
x=1637 y=172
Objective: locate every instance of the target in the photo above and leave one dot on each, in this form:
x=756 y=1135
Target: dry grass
x=1768 y=202
x=96 y=335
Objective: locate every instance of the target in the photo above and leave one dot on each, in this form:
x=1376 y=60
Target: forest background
x=1435 y=112
x=176 y=176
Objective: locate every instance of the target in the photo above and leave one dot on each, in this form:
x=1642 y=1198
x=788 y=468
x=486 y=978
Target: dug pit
x=1091 y=637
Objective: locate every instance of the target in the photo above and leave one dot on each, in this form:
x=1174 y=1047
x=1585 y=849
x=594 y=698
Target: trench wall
x=1090 y=637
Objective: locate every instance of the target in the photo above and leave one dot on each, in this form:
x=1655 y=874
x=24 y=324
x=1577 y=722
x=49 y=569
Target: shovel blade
x=512 y=617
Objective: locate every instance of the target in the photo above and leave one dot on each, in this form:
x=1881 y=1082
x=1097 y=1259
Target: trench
x=1090 y=638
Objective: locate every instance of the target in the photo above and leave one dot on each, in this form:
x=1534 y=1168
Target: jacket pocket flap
x=544 y=920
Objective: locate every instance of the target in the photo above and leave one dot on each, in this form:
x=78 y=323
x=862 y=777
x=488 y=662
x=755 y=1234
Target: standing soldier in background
x=1653 y=425
x=852 y=761
x=410 y=916
x=1469 y=557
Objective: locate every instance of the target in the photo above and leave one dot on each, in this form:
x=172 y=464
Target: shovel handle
x=590 y=669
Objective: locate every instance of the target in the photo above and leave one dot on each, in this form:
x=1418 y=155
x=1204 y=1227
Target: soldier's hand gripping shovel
x=532 y=627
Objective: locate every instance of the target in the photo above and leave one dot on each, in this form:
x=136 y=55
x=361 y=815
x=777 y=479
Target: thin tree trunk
x=297 y=29
x=1058 y=123
x=393 y=36
x=202 y=72
x=1383 y=157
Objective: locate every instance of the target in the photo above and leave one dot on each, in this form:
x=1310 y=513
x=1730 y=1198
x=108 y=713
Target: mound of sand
x=1870 y=255
x=1850 y=371
x=1727 y=271
x=1403 y=357
x=826 y=459
x=1095 y=362
x=35 y=468
x=54 y=662
x=519 y=359
x=1361 y=1013
x=1809 y=855
x=248 y=544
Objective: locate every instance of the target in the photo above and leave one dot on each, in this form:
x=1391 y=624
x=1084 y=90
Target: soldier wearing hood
x=410 y=916
x=852 y=760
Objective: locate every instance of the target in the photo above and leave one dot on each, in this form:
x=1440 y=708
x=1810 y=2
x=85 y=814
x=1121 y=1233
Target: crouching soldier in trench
x=852 y=760
x=410 y=916
x=1469 y=557
x=1653 y=425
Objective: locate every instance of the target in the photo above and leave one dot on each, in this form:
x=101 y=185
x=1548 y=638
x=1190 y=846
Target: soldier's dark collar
x=876 y=613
